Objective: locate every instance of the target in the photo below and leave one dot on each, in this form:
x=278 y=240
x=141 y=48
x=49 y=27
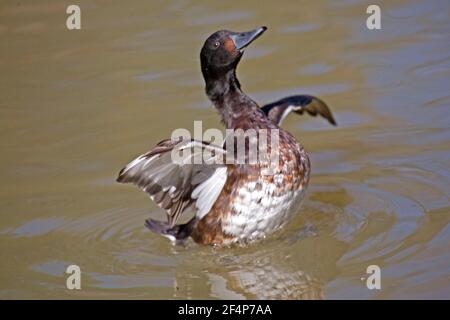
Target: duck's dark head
x=223 y=50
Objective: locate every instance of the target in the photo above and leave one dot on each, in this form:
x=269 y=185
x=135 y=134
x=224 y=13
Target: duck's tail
x=177 y=234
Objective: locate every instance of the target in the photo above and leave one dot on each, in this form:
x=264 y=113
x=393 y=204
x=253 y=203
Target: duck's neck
x=225 y=93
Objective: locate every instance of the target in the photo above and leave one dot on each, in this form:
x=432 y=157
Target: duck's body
x=234 y=203
x=253 y=205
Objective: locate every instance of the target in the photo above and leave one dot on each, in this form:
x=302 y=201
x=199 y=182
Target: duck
x=232 y=203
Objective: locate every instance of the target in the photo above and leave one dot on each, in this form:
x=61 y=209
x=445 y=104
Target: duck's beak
x=243 y=39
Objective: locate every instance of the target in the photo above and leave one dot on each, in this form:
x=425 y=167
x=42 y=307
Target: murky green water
x=76 y=106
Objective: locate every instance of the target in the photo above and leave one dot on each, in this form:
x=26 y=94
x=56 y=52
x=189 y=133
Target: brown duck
x=232 y=203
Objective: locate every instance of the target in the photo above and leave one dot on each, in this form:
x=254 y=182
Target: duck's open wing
x=278 y=110
x=179 y=173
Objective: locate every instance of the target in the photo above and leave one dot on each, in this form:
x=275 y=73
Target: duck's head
x=223 y=50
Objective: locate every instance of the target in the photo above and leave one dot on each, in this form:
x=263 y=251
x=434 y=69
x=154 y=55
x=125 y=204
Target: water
x=76 y=106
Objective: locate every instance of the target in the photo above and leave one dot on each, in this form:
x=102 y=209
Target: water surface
x=76 y=106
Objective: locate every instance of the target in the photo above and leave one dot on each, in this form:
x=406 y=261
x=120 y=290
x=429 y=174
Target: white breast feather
x=260 y=212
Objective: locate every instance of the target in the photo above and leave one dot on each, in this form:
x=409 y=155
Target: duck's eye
x=216 y=44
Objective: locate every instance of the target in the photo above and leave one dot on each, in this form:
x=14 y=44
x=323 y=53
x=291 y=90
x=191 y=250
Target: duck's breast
x=260 y=204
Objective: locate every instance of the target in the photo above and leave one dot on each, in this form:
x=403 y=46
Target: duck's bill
x=243 y=39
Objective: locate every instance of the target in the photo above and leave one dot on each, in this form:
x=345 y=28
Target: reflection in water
x=75 y=105
x=267 y=274
x=263 y=278
x=295 y=265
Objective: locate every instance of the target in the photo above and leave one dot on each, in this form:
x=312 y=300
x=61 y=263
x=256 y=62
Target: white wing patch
x=285 y=113
x=175 y=184
x=208 y=191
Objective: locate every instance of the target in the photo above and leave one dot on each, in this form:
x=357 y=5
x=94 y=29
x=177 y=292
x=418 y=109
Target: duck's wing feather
x=177 y=174
x=279 y=109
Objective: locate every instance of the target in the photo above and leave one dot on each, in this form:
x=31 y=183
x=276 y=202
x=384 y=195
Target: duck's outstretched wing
x=278 y=110
x=177 y=174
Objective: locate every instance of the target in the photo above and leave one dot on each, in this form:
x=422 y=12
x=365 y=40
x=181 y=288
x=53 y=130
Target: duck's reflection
x=265 y=281
x=295 y=264
x=275 y=269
